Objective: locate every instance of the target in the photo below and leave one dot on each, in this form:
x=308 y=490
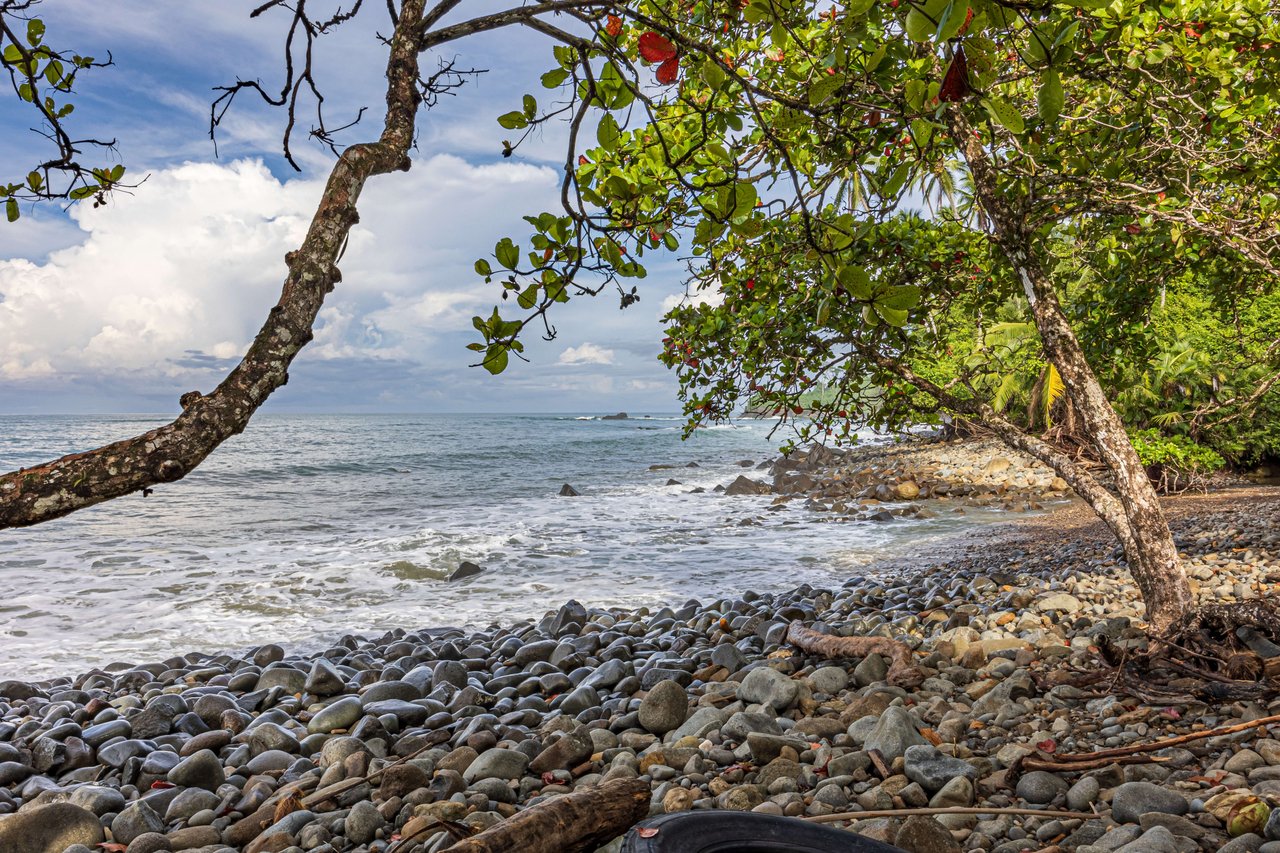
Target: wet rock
x=342 y=714
x=1041 y=788
x=49 y=828
x=933 y=770
x=744 y=485
x=466 y=569
x=202 y=770
x=893 y=733
x=363 y=822
x=150 y=842
x=568 y=751
x=1134 y=799
x=766 y=686
x=324 y=679
x=134 y=821
x=497 y=764
x=1083 y=794
x=664 y=708
x=921 y=834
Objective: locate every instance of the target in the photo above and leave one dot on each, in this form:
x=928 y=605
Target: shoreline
x=707 y=702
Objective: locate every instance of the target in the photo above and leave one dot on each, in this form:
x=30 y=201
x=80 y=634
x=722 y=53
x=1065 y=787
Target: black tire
x=744 y=832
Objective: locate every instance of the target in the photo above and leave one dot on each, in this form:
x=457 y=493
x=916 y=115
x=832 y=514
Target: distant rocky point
x=621 y=416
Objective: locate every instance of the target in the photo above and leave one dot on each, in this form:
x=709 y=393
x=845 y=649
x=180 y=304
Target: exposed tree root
x=902 y=668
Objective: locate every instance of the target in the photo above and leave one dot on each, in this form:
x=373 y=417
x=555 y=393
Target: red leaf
x=613 y=26
x=160 y=784
x=955 y=85
x=968 y=19
x=669 y=71
x=1047 y=745
x=647 y=831
x=655 y=48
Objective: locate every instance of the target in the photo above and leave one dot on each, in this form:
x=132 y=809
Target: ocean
x=308 y=527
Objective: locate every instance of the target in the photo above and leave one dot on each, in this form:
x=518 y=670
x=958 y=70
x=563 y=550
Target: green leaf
x=896 y=317
x=11 y=211
x=513 y=120
x=495 y=360
x=901 y=297
x=483 y=268
x=507 y=253
x=528 y=297
x=876 y=57
x=855 y=281
x=1004 y=114
x=35 y=181
x=117 y=172
x=922 y=130
x=1050 y=99
x=896 y=181
x=918 y=26
x=821 y=91
x=952 y=20
x=608 y=132
x=915 y=91
x=857 y=8
x=713 y=75
x=35 y=31
x=84 y=192
x=824 y=310
x=554 y=78
x=744 y=198
x=530 y=106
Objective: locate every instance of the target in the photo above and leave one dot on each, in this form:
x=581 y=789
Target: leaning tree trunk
x=1143 y=531
x=170 y=452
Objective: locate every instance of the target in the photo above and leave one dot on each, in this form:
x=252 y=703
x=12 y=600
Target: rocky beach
x=398 y=742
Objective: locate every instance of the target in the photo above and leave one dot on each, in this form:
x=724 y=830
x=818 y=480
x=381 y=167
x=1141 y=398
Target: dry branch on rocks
x=581 y=821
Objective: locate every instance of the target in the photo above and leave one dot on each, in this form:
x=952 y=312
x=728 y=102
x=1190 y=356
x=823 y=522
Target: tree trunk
x=169 y=453
x=1148 y=545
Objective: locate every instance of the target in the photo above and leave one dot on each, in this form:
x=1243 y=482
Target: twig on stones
x=978 y=810
x=1134 y=749
x=878 y=760
x=355 y=781
x=1028 y=764
x=902 y=669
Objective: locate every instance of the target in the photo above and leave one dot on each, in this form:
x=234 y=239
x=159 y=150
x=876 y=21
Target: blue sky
x=123 y=308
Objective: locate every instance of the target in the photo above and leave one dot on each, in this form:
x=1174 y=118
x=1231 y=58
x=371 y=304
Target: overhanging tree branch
x=172 y=451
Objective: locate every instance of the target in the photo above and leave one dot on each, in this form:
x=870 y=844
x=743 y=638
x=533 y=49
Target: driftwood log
x=573 y=823
x=902 y=668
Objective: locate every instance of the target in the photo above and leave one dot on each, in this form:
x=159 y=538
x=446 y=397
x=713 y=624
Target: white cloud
x=192 y=260
x=587 y=353
x=188 y=262
x=675 y=300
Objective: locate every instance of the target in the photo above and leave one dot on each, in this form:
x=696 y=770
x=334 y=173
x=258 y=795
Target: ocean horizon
x=309 y=526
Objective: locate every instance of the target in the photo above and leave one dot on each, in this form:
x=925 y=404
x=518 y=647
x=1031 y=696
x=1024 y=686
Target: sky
x=125 y=307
